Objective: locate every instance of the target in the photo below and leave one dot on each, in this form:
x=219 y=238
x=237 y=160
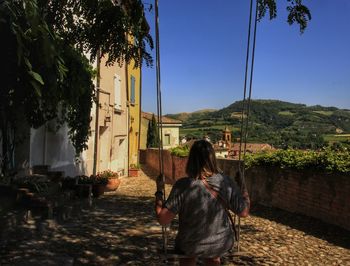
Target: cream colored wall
x=173 y=131
x=112 y=151
x=119 y=160
x=113 y=148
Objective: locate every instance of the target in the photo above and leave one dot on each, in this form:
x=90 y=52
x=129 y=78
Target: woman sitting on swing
x=200 y=200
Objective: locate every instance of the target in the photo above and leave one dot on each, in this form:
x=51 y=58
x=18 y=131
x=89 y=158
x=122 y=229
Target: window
x=117 y=93
x=132 y=93
x=166 y=140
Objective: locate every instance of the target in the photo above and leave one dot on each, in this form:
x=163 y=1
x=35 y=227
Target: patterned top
x=204 y=227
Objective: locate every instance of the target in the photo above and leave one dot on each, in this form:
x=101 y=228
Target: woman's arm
x=242 y=189
x=164 y=216
x=246 y=199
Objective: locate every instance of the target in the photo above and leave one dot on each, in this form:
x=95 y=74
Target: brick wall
x=174 y=167
x=312 y=193
x=316 y=194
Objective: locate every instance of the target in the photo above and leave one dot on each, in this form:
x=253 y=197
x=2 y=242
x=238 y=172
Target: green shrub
x=326 y=160
x=180 y=151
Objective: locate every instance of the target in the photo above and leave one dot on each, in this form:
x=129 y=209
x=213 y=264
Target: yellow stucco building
x=134 y=106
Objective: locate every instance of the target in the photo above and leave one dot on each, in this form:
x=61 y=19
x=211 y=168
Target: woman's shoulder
x=220 y=180
x=218 y=177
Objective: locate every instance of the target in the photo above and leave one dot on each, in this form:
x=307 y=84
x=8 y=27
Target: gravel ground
x=119 y=229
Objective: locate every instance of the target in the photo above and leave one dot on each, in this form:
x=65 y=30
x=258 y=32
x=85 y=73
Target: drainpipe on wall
x=97 y=133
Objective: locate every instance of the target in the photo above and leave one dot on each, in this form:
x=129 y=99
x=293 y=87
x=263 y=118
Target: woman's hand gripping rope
x=164 y=216
x=159 y=195
x=242 y=186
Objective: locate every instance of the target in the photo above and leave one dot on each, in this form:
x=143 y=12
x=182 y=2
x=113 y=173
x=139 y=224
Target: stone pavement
x=119 y=229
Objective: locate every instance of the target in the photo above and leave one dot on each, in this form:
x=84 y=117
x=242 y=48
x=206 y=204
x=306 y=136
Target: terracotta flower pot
x=134 y=172
x=113 y=184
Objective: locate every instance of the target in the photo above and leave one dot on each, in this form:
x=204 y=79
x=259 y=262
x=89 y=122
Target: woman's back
x=201 y=200
x=204 y=226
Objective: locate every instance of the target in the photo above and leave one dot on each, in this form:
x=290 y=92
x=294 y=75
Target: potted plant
x=113 y=179
x=134 y=170
x=84 y=186
x=69 y=182
x=84 y=180
x=98 y=185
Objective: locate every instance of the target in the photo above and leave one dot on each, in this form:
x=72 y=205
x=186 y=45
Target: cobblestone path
x=119 y=229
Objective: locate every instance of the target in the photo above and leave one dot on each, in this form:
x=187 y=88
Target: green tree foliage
x=152 y=134
x=44 y=72
x=297 y=12
x=328 y=159
x=101 y=25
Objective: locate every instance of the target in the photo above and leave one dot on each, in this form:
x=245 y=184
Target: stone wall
x=312 y=193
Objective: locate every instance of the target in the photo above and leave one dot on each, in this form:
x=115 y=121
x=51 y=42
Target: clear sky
x=203 y=48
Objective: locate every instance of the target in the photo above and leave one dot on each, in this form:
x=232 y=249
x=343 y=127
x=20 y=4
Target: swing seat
x=171 y=255
x=236 y=254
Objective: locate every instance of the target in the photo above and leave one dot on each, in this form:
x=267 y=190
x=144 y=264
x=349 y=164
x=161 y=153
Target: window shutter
x=132 y=94
x=166 y=139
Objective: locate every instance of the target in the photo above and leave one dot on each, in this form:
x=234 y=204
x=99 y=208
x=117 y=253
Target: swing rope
x=160 y=123
x=246 y=103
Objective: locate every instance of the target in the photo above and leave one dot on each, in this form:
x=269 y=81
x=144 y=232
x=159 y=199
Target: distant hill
x=276 y=122
x=191 y=116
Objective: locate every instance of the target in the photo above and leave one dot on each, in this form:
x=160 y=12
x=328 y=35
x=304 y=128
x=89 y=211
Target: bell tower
x=227 y=136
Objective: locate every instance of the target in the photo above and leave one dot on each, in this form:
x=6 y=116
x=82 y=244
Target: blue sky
x=203 y=47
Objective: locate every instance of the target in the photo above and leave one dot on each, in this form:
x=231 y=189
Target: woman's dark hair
x=201 y=161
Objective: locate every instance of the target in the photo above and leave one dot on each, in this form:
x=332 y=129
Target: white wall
x=173 y=131
x=54 y=149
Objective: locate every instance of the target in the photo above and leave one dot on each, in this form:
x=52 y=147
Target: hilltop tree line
x=278 y=123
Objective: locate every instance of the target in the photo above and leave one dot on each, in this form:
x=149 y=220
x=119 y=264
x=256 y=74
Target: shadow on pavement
x=113 y=231
x=311 y=226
